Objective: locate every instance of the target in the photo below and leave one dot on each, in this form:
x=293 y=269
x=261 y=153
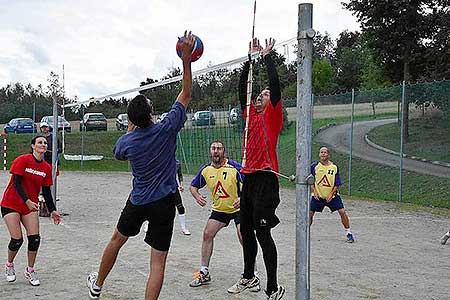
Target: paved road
x=337 y=137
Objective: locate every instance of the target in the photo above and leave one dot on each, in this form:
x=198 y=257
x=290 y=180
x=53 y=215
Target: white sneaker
x=185 y=231
x=10 y=273
x=444 y=239
x=145 y=226
x=200 y=279
x=32 y=277
x=94 y=292
x=243 y=284
x=277 y=295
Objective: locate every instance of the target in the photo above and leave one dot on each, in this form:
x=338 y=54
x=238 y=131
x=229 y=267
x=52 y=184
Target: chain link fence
x=363 y=130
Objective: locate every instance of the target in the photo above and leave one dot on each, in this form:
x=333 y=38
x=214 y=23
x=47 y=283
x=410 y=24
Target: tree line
x=399 y=40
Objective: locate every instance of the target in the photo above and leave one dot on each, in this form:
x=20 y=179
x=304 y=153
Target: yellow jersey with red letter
x=224 y=184
x=326 y=177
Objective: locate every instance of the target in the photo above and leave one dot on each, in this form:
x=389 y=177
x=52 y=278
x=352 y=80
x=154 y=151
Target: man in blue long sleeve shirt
x=150 y=149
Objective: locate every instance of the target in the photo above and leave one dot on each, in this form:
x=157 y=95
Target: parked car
x=161 y=117
x=61 y=123
x=122 y=122
x=234 y=116
x=94 y=121
x=203 y=118
x=20 y=125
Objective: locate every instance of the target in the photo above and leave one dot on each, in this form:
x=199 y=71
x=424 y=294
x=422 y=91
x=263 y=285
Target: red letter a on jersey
x=219 y=190
x=324 y=181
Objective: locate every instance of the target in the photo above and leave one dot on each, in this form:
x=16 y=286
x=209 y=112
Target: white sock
x=347 y=231
x=204 y=270
x=182 y=219
x=96 y=286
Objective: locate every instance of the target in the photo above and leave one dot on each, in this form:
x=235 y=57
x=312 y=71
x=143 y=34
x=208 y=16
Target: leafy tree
x=347 y=60
x=397 y=30
x=322 y=77
x=323 y=46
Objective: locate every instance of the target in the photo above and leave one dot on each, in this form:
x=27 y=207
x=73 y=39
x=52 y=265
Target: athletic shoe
x=350 y=238
x=94 y=292
x=10 y=272
x=200 y=279
x=145 y=226
x=276 y=295
x=32 y=277
x=185 y=231
x=251 y=284
x=444 y=239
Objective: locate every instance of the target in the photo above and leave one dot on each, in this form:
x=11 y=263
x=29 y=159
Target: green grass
x=428 y=138
x=369 y=181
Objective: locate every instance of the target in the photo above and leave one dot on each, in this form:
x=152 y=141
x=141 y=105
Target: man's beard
x=217 y=159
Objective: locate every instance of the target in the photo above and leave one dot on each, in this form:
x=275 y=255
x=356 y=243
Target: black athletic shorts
x=333 y=205
x=159 y=214
x=226 y=218
x=259 y=200
x=6 y=210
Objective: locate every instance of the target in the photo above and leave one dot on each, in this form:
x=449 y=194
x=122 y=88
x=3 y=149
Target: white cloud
x=109 y=46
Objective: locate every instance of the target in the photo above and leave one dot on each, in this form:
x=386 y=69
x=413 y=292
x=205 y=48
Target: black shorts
x=259 y=200
x=159 y=214
x=333 y=205
x=226 y=218
x=7 y=210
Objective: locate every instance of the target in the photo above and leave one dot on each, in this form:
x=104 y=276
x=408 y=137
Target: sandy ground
x=397 y=254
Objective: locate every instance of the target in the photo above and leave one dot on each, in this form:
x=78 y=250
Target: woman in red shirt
x=20 y=204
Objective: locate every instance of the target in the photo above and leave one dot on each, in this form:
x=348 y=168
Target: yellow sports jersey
x=224 y=184
x=326 y=177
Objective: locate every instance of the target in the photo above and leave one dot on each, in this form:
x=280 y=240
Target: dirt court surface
x=397 y=254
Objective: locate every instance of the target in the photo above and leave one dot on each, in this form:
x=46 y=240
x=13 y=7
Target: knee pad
x=34 y=242
x=14 y=244
x=180 y=209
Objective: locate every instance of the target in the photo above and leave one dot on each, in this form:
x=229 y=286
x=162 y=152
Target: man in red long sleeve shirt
x=260 y=191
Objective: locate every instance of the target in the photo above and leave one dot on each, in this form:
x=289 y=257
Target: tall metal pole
x=82 y=136
x=351 y=146
x=63 y=115
x=54 y=146
x=400 y=181
x=34 y=118
x=304 y=132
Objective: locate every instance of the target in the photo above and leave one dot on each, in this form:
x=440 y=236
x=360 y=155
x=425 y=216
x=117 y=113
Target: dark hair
x=33 y=141
x=219 y=141
x=140 y=111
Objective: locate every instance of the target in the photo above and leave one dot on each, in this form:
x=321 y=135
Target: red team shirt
x=263 y=131
x=34 y=174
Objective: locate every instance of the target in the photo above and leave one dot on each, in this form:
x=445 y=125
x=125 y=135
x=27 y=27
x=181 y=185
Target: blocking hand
x=187 y=45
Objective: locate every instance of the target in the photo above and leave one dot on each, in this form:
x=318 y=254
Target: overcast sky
x=110 y=46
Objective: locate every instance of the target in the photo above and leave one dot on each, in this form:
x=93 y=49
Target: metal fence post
x=54 y=146
x=82 y=127
x=351 y=146
x=304 y=133
x=34 y=118
x=400 y=181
